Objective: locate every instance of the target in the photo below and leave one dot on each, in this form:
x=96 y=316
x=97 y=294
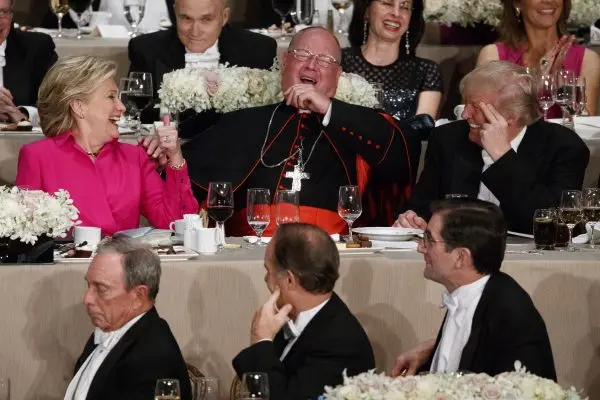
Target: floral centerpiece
x=518 y=385
x=31 y=216
x=227 y=89
x=468 y=12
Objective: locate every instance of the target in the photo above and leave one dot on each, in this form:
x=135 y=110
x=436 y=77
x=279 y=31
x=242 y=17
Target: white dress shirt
x=484 y=192
x=32 y=111
x=208 y=59
x=155 y=12
x=106 y=341
x=461 y=305
x=300 y=323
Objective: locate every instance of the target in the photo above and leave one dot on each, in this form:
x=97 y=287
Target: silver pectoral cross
x=296 y=176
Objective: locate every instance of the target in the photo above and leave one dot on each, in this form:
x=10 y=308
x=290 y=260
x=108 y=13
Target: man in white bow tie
x=320 y=336
x=25 y=57
x=490 y=321
x=132 y=346
x=201 y=38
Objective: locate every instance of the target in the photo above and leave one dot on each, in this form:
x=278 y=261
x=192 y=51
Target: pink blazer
x=112 y=192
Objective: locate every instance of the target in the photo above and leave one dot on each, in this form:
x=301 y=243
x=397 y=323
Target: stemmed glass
x=141 y=89
x=563 y=90
x=134 y=13
x=341 y=6
x=205 y=388
x=579 y=100
x=60 y=8
x=570 y=212
x=349 y=206
x=591 y=210
x=283 y=8
x=286 y=204
x=127 y=97
x=220 y=207
x=303 y=12
x=255 y=385
x=79 y=6
x=544 y=93
x=167 y=389
x=258 y=211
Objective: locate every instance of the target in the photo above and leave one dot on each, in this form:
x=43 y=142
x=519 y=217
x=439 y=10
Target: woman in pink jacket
x=111 y=183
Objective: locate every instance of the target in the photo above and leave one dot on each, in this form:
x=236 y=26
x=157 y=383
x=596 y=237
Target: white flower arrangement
x=467 y=12
x=227 y=89
x=28 y=214
x=518 y=385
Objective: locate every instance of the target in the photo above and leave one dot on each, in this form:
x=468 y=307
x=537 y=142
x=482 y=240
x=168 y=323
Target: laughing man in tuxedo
x=323 y=337
x=201 y=38
x=132 y=346
x=490 y=321
x=25 y=57
x=501 y=152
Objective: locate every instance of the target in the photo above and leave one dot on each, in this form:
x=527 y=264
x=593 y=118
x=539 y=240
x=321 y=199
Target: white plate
x=388 y=234
x=272 y=33
x=185 y=254
x=361 y=250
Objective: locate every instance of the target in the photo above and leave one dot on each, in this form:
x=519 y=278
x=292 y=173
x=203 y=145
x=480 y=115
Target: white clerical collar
x=304 y=317
x=108 y=340
x=464 y=295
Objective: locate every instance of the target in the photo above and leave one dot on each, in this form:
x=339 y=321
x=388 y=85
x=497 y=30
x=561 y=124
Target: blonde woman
x=111 y=183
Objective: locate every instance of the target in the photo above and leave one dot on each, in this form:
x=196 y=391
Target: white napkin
x=442 y=121
x=409 y=245
x=266 y=239
x=584 y=238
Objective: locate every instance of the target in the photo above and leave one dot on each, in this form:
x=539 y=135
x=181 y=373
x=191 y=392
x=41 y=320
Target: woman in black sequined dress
x=384 y=35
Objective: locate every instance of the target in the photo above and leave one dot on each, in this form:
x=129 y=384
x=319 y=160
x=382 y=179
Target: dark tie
x=95 y=5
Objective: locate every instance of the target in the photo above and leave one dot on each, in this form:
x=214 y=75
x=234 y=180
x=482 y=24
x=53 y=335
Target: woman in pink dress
x=533 y=33
x=111 y=183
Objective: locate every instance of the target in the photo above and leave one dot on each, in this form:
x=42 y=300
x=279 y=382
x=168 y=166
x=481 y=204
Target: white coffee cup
x=178 y=226
x=458 y=110
x=89 y=234
x=206 y=241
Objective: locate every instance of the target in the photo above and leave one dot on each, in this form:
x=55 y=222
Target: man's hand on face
x=307 y=97
x=494 y=134
x=267 y=321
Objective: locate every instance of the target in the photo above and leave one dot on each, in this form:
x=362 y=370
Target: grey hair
x=226 y=3
x=516 y=89
x=141 y=266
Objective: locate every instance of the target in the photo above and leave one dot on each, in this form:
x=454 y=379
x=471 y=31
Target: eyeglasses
x=404 y=6
x=324 y=60
x=428 y=240
x=6 y=12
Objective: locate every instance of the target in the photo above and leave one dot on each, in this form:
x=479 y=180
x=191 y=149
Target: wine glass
x=544 y=93
x=167 y=389
x=563 y=89
x=341 y=6
x=591 y=210
x=205 y=388
x=570 y=212
x=79 y=6
x=283 y=8
x=579 y=100
x=131 y=115
x=258 y=211
x=303 y=12
x=142 y=89
x=349 y=206
x=60 y=8
x=255 y=385
x=286 y=204
x=134 y=13
x=220 y=207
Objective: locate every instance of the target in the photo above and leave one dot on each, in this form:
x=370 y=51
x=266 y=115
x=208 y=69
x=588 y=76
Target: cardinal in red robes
x=311 y=142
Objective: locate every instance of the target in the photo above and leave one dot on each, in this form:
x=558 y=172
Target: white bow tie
x=3 y=55
x=101 y=337
x=207 y=59
x=450 y=304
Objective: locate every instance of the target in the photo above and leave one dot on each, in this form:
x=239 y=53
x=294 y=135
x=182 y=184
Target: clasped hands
x=8 y=111
x=164 y=146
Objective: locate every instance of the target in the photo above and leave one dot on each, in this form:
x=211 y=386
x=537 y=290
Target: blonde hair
x=517 y=90
x=70 y=79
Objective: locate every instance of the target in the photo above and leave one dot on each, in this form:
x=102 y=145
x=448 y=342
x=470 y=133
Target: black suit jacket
x=163 y=52
x=506 y=327
x=29 y=55
x=146 y=353
x=333 y=341
x=550 y=159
